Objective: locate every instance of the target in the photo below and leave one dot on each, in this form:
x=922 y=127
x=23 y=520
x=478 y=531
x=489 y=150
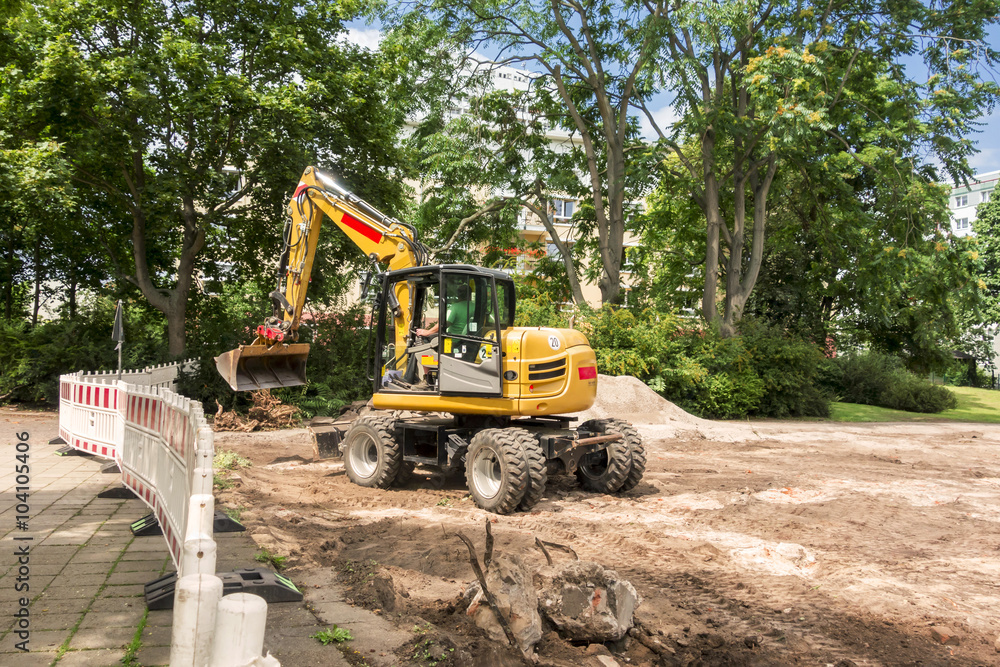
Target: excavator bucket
x=252 y=367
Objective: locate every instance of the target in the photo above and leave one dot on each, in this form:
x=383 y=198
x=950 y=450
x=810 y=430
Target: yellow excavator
x=443 y=343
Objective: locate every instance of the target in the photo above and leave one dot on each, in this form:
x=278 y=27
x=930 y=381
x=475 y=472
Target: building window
x=961 y=223
x=562 y=209
x=986 y=196
x=961 y=200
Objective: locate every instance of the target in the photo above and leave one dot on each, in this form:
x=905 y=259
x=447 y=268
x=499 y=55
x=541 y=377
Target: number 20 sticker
x=554 y=342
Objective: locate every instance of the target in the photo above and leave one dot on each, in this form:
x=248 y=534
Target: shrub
x=873 y=378
x=33 y=358
x=764 y=372
x=789 y=368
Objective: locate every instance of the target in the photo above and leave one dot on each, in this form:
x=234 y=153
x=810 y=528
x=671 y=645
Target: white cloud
x=366 y=38
x=665 y=117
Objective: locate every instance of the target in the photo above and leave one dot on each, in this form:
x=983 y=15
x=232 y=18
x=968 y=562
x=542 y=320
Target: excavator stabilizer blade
x=252 y=367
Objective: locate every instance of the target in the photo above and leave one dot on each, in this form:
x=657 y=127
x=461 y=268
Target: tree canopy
x=171 y=114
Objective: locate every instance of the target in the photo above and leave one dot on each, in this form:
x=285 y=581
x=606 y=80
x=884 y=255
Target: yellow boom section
x=273 y=359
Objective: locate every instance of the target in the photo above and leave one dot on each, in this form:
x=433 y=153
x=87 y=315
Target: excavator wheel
x=607 y=471
x=372 y=454
x=404 y=475
x=534 y=459
x=635 y=446
x=495 y=469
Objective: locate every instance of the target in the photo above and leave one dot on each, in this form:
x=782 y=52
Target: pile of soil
x=629 y=398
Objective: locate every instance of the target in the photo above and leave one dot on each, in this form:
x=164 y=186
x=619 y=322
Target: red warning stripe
x=361 y=228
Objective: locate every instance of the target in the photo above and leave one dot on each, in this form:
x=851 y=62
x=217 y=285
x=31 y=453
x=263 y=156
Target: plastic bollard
x=239 y=630
x=196 y=601
x=198 y=556
x=201 y=517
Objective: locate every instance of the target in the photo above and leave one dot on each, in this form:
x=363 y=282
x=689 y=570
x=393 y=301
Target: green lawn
x=974 y=405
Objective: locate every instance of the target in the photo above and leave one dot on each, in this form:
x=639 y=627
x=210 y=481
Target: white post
x=239 y=630
x=196 y=599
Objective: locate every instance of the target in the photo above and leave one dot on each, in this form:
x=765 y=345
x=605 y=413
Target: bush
x=872 y=378
x=789 y=368
x=763 y=372
x=33 y=358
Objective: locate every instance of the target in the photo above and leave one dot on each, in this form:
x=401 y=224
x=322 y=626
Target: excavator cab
x=458 y=310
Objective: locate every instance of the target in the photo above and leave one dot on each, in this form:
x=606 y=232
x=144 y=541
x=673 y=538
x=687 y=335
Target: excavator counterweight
x=253 y=367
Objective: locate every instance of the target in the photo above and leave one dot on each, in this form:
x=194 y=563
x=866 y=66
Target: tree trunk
x=72 y=295
x=37 y=266
x=173 y=302
x=176 y=333
x=714 y=221
x=8 y=283
x=540 y=210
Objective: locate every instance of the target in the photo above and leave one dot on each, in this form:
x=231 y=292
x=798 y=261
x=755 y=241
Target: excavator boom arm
x=381 y=238
x=274 y=359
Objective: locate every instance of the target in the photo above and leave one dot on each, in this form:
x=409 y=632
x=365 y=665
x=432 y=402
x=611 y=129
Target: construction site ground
x=773 y=543
x=769 y=543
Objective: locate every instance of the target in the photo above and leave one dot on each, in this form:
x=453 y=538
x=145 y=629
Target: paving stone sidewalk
x=87 y=570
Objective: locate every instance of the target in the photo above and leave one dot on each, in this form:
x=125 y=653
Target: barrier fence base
x=111 y=469
x=221 y=523
x=66 y=450
x=271 y=586
x=58 y=441
x=118 y=492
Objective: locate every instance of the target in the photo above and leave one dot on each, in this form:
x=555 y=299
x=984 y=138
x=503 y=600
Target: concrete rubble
x=585 y=602
x=509 y=581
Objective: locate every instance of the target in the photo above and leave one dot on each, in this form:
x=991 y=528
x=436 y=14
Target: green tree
x=175 y=113
x=987 y=229
x=594 y=61
x=766 y=86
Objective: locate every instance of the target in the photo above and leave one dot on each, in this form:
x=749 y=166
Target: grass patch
x=974 y=405
x=268 y=558
x=234 y=513
x=220 y=482
x=226 y=460
x=129 y=660
x=336 y=635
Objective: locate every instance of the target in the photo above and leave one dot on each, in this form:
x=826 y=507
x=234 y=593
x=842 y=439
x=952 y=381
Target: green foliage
x=873 y=378
x=788 y=367
x=338 y=364
x=227 y=460
x=336 y=635
x=268 y=558
x=33 y=358
x=762 y=372
x=535 y=309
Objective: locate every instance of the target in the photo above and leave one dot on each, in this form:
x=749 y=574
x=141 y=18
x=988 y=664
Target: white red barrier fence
x=164 y=448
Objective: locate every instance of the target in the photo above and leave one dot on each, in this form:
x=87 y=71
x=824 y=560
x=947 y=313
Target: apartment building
x=964 y=201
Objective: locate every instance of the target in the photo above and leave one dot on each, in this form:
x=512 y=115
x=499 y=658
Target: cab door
x=469 y=355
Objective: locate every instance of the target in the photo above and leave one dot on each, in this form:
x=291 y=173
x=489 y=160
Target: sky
x=987 y=139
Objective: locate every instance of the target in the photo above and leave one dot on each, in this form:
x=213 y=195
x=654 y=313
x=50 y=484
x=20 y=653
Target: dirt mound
x=629 y=398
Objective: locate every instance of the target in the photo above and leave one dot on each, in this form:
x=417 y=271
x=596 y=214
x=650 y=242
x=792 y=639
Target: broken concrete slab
x=585 y=601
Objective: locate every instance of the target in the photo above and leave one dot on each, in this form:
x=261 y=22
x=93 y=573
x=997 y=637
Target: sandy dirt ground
x=750 y=544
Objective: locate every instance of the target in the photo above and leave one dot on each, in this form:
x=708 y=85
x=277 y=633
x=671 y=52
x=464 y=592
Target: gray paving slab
x=27 y=659
x=94 y=658
x=92 y=571
x=101 y=638
x=153 y=656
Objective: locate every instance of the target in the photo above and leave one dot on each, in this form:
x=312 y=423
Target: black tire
x=404 y=475
x=636 y=447
x=495 y=470
x=607 y=470
x=538 y=472
x=372 y=454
